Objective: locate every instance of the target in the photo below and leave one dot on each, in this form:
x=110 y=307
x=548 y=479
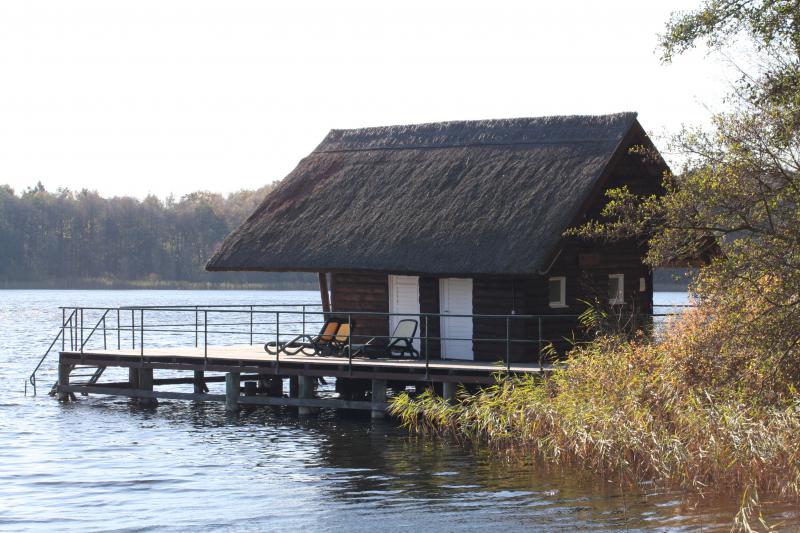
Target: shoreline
x=202 y=286
x=149 y=285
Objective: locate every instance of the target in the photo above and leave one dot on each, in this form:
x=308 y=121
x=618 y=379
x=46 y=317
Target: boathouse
x=456 y=223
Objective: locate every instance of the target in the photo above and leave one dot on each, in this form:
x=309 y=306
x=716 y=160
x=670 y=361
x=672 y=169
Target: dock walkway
x=241 y=363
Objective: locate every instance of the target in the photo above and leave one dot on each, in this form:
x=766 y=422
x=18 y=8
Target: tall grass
x=642 y=409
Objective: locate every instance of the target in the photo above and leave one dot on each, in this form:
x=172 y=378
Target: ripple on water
x=102 y=465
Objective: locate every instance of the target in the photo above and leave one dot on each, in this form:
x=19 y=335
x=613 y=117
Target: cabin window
x=616 y=289
x=557 y=289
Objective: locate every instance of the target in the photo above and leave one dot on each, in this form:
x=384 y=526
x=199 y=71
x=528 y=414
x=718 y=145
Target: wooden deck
x=247 y=358
x=242 y=363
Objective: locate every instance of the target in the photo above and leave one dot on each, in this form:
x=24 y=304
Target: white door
x=455 y=298
x=404 y=299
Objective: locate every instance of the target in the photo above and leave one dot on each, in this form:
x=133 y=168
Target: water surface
x=103 y=465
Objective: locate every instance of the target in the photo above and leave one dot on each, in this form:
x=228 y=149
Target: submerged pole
x=146 y=385
x=199 y=382
x=232 y=385
x=449 y=390
x=305 y=392
x=378 y=396
x=63 y=380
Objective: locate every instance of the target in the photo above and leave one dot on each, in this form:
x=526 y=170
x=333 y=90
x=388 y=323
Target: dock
x=240 y=364
x=94 y=340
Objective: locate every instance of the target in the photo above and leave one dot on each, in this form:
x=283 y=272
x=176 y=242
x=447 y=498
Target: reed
x=639 y=408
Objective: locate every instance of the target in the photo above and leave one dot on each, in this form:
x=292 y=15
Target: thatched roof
x=473 y=197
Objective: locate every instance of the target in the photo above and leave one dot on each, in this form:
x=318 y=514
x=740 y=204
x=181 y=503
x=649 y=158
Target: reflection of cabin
x=458 y=218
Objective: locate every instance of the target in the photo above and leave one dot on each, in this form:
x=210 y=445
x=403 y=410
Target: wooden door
x=404 y=299
x=455 y=298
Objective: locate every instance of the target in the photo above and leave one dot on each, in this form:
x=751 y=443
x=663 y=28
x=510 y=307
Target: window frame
x=619 y=299
x=562 y=303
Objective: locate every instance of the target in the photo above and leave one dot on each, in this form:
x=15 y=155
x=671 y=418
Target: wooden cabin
x=459 y=218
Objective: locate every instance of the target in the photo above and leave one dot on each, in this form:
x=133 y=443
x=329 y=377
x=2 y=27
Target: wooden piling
x=133 y=377
x=146 y=384
x=306 y=391
x=200 y=382
x=378 y=396
x=449 y=391
x=276 y=386
x=232 y=385
x=63 y=380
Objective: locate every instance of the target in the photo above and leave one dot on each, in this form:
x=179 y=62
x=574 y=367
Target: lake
x=102 y=465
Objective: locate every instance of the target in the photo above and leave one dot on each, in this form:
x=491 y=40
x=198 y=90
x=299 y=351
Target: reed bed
x=643 y=410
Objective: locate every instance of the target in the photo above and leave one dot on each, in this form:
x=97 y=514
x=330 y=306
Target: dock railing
x=503 y=338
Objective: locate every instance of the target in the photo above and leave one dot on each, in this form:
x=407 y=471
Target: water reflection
x=102 y=464
x=346 y=467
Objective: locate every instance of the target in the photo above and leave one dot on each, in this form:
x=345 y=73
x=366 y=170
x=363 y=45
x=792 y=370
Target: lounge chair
x=327 y=342
x=398 y=345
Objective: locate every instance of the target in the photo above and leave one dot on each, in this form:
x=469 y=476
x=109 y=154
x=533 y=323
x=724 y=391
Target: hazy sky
x=138 y=97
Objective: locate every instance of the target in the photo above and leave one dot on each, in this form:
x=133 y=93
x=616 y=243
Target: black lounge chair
x=332 y=338
x=398 y=345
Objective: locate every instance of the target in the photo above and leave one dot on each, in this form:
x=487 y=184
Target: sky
x=169 y=97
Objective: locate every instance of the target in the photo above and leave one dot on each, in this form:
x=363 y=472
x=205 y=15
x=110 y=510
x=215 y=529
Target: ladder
x=91 y=372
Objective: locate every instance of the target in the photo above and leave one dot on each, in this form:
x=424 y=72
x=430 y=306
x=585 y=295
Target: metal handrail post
x=205 y=337
x=427 y=351
x=63 y=323
x=541 y=369
x=350 y=345
x=119 y=334
x=141 y=333
x=304 y=319
x=251 y=325
x=133 y=329
x=277 y=341
x=508 y=345
x=105 y=343
x=81 y=324
x=196 y=327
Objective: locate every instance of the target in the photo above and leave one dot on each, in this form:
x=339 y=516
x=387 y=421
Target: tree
x=67 y=236
x=738 y=194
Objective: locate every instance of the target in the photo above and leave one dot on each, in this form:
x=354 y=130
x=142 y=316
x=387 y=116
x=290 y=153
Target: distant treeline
x=68 y=239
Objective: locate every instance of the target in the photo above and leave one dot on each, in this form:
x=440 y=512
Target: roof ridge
x=499 y=132
x=479 y=121
x=460 y=145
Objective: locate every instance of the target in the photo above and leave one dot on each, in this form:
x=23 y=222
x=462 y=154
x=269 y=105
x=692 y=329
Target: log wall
x=368 y=292
x=585 y=265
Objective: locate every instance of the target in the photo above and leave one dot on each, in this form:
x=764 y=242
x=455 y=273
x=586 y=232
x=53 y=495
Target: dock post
x=146 y=384
x=133 y=377
x=276 y=386
x=63 y=380
x=293 y=387
x=199 y=382
x=232 y=384
x=305 y=391
x=378 y=395
x=449 y=391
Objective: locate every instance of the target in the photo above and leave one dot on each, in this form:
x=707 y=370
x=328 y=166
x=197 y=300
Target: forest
x=69 y=239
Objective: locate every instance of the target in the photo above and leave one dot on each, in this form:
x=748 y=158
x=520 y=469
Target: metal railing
x=134 y=327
